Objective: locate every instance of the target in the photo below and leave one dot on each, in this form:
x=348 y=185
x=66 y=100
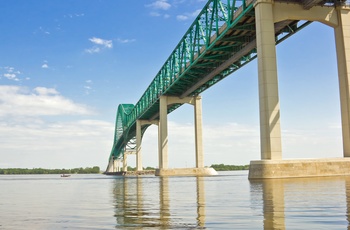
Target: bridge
x=226 y=35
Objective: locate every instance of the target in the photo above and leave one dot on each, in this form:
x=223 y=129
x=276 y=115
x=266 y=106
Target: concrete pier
x=186 y=172
x=266 y=169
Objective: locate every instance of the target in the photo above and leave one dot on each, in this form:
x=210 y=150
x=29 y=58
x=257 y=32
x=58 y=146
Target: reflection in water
x=312 y=201
x=347 y=190
x=164 y=201
x=200 y=202
x=227 y=201
x=136 y=206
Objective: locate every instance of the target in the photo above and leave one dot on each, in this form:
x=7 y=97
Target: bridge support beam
x=125 y=162
x=342 y=38
x=138 y=146
x=270 y=131
x=163 y=133
x=139 y=124
x=197 y=102
x=163 y=138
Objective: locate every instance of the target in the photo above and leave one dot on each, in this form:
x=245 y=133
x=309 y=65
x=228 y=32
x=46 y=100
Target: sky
x=66 y=65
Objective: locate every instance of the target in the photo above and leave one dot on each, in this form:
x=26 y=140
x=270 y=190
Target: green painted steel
x=220 y=41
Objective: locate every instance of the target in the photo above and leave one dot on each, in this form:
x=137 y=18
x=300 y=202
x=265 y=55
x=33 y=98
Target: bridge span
x=224 y=37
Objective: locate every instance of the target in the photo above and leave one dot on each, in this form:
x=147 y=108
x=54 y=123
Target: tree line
x=87 y=170
x=222 y=167
x=217 y=167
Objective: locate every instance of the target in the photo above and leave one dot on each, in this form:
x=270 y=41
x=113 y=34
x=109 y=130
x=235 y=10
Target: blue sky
x=65 y=66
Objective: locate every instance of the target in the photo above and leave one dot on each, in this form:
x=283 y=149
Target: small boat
x=65 y=175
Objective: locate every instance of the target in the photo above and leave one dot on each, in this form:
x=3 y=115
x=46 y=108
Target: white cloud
x=100 y=41
x=46 y=91
x=45 y=66
x=30 y=137
x=57 y=144
x=10 y=73
x=88 y=87
x=187 y=16
x=125 y=40
x=41 y=101
x=181 y=17
x=93 y=50
x=11 y=76
x=160 y=5
x=99 y=45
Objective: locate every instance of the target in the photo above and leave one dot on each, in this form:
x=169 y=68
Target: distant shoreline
x=25 y=171
x=96 y=170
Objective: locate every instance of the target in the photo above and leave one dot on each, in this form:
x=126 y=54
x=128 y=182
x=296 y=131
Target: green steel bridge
x=221 y=40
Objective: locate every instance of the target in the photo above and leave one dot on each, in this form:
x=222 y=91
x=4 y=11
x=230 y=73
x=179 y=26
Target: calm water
x=227 y=201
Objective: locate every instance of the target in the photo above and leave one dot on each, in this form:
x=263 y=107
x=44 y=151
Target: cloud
x=93 y=50
x=31 y=137
x=41 y=101
x=88 y=87
x=10 y=73
x=181 y=17
x=11 y=76
x=159 y=5
x=45 y=65
x=187 y=16
x=100 y=44
x=27 y=143
x=125 y=40
x=100 y=41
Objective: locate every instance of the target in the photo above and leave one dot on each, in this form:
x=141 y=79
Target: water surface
x=226 y=201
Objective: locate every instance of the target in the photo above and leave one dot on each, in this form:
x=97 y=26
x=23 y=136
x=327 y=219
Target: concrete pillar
x=342 y=39
x=163 y=132
x=270 y=131
x=117 y=162
x=114 y=162
x=125 y=162
x=198 y=132
x=138 y=146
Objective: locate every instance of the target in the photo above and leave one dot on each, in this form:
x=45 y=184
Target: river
x=226 y=201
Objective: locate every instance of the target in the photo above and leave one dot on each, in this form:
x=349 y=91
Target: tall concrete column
x=163 y=132
x=342 y=38
x=270 y=131
x=125 y=162
x=117 y=165
x=198 y=132
x=114 y=165
x=138 y=146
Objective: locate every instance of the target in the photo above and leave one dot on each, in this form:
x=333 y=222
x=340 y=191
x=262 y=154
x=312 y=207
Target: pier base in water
x=265 y=169
x=186 y=172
